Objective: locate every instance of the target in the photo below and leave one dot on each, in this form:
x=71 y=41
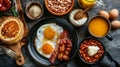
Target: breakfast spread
x=11 y=30
x=59 y=7
x=76 y=19
x=5 y=5
x=52 y=42
x=91 y=50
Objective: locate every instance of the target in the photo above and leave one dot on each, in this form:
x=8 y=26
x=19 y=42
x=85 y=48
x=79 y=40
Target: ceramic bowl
x=29 y=6
x=58 y=14
x=86 y=48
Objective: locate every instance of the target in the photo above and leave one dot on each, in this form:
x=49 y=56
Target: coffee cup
x=100 y=27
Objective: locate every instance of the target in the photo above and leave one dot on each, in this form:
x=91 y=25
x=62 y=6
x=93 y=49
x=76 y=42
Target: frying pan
x=61 y=22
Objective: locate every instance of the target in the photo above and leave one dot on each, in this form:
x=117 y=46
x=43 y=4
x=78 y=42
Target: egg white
x=54 y=26
x=39 y=41
x=38 y=46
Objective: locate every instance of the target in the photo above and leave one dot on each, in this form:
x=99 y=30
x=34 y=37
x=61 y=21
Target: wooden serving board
x=17 y=47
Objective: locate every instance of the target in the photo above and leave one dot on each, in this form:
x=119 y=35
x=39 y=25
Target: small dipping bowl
x=34 y=10
x=76 y=20
x=86 y=3
x=84 y=50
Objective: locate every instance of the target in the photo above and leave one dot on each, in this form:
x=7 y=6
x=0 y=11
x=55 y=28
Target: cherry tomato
x=0 y=4
x=1 y=1
x=8 y=6
x=6 y=1
x=5 y=5
x=2 y=8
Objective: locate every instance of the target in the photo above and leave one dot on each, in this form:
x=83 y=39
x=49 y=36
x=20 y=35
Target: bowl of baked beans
x=91 y=50
x=59 y=7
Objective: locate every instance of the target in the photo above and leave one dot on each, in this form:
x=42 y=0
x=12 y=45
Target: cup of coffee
x=100 y=27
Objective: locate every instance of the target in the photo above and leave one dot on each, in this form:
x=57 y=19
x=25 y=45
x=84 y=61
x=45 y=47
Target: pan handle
x=109 y=37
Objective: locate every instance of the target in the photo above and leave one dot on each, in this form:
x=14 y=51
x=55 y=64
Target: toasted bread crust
x=11 y=30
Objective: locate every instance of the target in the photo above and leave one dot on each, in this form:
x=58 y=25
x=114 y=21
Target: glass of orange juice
x=86 y=3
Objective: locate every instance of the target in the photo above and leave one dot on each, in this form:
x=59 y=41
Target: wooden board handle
x=21 y=60
x=17 y=48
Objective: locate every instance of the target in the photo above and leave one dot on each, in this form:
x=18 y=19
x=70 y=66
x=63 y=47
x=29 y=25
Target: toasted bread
x=11 y=30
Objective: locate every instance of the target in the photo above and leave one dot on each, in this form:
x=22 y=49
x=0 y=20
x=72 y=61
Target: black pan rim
x=29 y=47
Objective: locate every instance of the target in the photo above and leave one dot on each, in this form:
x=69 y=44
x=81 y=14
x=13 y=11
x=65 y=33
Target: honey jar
x=86 y=3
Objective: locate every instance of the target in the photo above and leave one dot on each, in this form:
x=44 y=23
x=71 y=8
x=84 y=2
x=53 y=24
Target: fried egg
x=49 y=32
x=45 y=49
x=46 y=38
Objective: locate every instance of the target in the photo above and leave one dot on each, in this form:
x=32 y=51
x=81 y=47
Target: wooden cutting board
x=17 y=47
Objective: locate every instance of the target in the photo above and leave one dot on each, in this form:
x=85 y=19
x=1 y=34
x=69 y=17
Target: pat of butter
x=92 y=50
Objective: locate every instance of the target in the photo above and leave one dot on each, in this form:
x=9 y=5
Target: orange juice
x=98 y=27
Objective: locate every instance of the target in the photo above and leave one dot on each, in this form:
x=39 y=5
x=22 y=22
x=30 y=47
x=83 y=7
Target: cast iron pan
x=61 y=22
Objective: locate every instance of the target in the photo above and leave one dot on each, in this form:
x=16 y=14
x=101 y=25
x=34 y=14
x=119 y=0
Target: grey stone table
x=109 y=4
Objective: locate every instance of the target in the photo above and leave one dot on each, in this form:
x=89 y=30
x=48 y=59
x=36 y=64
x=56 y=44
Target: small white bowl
x=79 y=22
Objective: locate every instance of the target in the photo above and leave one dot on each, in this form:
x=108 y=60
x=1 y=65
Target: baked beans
x=59 y=6
x=83 y=50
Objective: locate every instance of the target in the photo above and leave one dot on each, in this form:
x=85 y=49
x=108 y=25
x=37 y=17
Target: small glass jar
x=86 y=3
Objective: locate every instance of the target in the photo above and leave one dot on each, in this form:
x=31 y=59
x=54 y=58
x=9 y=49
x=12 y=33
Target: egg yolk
x=49 y=33
x=47 y=48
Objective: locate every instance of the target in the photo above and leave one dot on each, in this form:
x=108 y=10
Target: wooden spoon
x=79 y=14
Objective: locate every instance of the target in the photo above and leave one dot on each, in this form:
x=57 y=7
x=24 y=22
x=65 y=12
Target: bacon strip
x=63 y=48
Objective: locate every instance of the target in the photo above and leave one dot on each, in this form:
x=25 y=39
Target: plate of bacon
x=52 y=41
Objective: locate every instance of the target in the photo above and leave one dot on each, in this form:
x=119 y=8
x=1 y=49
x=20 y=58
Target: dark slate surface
x=112 y=47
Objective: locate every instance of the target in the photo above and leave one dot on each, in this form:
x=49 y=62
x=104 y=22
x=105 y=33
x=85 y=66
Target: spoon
x=9 y=52
x=78 y=15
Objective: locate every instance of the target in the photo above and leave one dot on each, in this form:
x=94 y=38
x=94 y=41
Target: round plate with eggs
x=43 y=37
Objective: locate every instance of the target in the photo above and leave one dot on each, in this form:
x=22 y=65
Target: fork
x=9 y=52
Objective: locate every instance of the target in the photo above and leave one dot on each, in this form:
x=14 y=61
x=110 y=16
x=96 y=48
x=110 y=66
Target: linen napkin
x=113 y=47
x=6 y=61
x=112 y=55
